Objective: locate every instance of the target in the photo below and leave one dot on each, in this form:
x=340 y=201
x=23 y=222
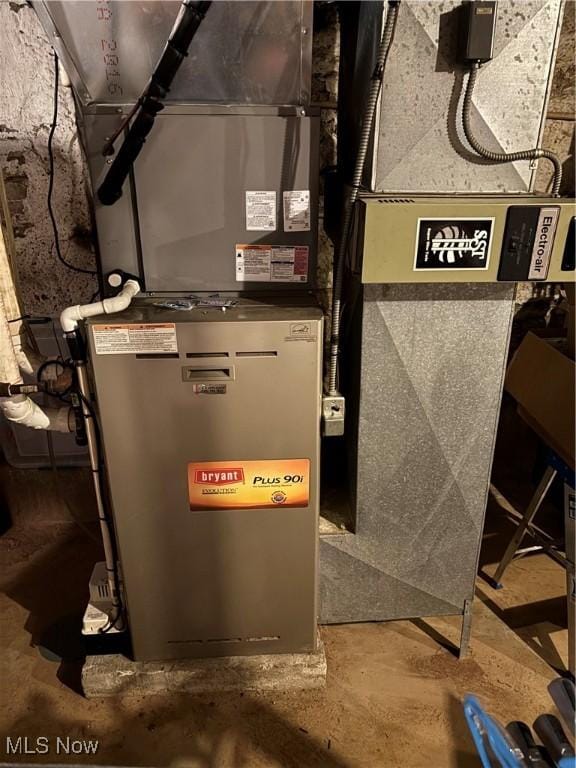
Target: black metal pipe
x=190 y=17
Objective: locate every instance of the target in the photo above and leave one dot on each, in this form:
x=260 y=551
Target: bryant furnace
x=212 y=445
x=210 y=416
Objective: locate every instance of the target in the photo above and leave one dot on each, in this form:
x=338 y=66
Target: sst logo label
x=453 y=244
x=249 y=484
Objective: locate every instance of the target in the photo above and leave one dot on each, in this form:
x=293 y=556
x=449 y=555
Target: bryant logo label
x=453 y=244
x=219 y=477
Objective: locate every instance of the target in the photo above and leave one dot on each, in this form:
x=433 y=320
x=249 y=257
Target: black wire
x=51 y=179
x=38 y=320
x=62 y=364
x=56 y=339
x=48 y=363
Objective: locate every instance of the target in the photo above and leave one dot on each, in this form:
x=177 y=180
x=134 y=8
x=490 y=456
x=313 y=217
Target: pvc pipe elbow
x=20 y=409
x=71 y=316
x=123 y=299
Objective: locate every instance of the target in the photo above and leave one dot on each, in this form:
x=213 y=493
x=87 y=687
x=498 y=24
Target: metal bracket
x=466 y=627
x=333 y=412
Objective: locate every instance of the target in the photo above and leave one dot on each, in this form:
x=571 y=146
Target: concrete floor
x=393 y=694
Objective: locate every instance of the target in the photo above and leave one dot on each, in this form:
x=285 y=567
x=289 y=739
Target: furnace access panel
x=210 y=425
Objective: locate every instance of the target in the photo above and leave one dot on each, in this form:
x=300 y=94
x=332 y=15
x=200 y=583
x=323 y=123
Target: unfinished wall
x=559 y=128
x=325 y=61
x=27 y=88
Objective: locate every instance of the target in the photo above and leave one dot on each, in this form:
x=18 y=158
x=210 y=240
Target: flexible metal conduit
x=504 y=157
x=367 y=123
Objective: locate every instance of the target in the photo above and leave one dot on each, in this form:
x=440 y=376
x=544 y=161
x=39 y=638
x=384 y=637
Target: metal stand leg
x=569 y=529
x=571 y=600
x=533 y=507
x=466 y=629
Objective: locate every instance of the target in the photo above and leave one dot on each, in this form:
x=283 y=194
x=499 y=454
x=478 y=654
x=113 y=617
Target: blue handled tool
x=490 y=738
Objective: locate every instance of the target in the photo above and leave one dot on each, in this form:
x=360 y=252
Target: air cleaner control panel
x=424 y=239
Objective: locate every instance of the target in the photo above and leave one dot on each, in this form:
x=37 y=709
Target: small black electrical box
x=481 y=24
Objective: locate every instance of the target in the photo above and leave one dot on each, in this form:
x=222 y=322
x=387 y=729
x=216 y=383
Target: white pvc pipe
x=22 y=410
x=71 y=316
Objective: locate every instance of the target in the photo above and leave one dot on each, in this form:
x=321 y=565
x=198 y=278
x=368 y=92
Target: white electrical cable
x=22 y=410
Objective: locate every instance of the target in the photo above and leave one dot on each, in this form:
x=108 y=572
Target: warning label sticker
x=249 y=484
x=297 y=211
x=261 y=211
x=272 y=263
x=133 y=338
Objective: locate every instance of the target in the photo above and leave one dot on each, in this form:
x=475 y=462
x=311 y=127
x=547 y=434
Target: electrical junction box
x=210 y=422
x=100 y=608
x=464 y=239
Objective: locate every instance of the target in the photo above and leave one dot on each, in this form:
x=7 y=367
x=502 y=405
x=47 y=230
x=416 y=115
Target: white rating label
x=297 y=211
x=261 y=211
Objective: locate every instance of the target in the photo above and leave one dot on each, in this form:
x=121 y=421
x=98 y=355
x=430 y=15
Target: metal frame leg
x=571 y=606
x=466 y=630
x=569 y=529
x=533 y=507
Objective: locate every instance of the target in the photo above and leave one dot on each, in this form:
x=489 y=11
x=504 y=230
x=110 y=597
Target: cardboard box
x=541 y=378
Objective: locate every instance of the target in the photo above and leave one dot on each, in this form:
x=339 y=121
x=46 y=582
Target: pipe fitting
x=71 y=316
x=22 y=410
